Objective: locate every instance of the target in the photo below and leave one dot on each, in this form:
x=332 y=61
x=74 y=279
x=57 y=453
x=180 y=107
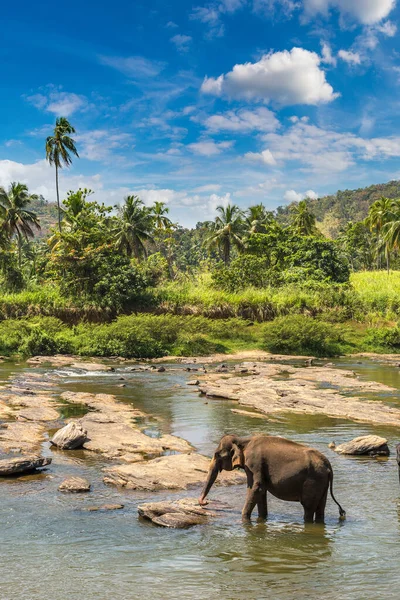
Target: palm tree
x=159 y=212
x=227 y=231
x=59 y=148
x=134 y=227
x=391 y=230
x=258 y=219
x=302 y=220
x=17 y=219
x=381 y=213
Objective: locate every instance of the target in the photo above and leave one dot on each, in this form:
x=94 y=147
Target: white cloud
x=243 y=121
x=293 y=196
x=265 y=157
x=209 y=147
x=214 y=200
x=285 y=77
x=327 y=56
x=171 y=25
x=135 y=67
x=61 y=104
x=210 y=187
x=367 y=12
x=350 y=57
x=100 y=144
x=388 y=28
x=211 y=15
x=182 y=42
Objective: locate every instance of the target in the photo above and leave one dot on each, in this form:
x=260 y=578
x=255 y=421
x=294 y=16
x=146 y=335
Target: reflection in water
x=64 y=551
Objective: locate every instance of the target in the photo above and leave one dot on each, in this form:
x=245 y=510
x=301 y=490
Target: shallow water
x=51 y=548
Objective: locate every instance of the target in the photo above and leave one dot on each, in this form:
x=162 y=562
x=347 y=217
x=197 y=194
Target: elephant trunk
x=212 y=476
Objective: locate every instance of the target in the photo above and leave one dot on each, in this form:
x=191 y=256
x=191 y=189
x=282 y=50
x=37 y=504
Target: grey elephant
x=286 y=469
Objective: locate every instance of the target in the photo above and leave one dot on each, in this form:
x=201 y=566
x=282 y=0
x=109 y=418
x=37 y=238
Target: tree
x=258 y=219
x=59 y=148
x=381 y=212
x=17 y=219
x=391 y=229
x=302 y=220
x=159 y=213
x=227 y=231
x=134 y=227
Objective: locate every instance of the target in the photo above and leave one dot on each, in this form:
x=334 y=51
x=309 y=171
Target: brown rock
x=179 y=514
x=70 y=437
x=22 y=464
x=75 y=485
x=104 y=507
x=371 y=445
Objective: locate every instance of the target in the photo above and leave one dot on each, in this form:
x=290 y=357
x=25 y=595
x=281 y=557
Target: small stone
x=161 y=369
x=121 y=378
x=194 y=382
x=70 y=437
x=332 y=445
x=75 y=485
x=122 y=385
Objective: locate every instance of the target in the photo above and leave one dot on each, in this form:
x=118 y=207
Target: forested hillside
x=335 y=211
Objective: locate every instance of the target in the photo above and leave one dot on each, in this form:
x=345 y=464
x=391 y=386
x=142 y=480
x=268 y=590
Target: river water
x=51 y=548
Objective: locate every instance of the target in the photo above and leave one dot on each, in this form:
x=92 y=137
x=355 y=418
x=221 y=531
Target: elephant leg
x=308 y=514
x=320 y=512
x=252 y=499
x=262 y=505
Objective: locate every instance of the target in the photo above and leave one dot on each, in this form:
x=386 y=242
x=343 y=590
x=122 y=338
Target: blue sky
x=199 y=104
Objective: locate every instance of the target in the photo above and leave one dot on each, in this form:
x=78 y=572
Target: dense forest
x=79 y=276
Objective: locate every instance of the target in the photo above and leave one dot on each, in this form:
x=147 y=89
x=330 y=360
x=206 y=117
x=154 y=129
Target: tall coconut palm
x=391 y=230
x=59 y=149
x=258 y=218
x=17 y=219
x=302 y=219
x=380 y=214
x=134 y=227
x=159 y=213
x=227 y=231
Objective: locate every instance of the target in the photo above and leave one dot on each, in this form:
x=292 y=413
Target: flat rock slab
x=75 y=485
x=22 y=464
x=87 y=366
x=57 y=360
x=104 y=507
x=178 y=515
x=20 y=436
x=174 y=472
x=371 y=445
x=280 y=388
x=70 y=437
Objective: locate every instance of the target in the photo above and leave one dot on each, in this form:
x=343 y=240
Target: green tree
x=134 y=227
x=17 y=219
x=302 y=219
x=227 y=231
x=159 y=212
x=258 y=218
x=59 y=150
x=380 y=214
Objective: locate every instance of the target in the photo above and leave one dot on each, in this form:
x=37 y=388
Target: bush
x=383 y=338
x=197 y=345
x=245 y=271
x=299 y=334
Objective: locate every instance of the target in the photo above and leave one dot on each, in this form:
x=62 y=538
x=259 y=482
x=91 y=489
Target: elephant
x=286 y=469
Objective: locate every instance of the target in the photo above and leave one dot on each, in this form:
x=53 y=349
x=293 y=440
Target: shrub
x=246 y=271
x=383 y=338
x=197 y=345
x=299 y=334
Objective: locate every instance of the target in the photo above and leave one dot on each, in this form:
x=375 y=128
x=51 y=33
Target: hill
x=47 y=213
x=333 y=212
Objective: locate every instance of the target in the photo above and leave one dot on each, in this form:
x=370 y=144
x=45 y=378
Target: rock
x=87 y=366
x=332 y=445
x=70 y=437
x=122 y=385
x=174 y=472
x=161 y=369
x=75 y=485
x=398 y=454
x=22 y=464
x=179 y=514
x=194 y=382
x=371 y=445
x=40 y=413
x=104 y=507
x=221 y=369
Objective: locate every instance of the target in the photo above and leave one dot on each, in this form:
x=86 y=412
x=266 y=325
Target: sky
x=199 y=104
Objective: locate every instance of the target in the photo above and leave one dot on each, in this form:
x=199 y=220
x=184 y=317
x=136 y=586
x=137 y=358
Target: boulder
x=70 y=437
x=173 y=472
x=75 y=485
x=178 y=514
x=371 y=445
x=22 y=464
x=193 y=382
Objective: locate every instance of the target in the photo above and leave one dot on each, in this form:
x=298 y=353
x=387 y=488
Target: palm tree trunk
x=387 y=260
x=19 y=251
x=58 y=200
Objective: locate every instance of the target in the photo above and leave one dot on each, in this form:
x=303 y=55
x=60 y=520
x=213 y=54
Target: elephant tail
x=342 y=512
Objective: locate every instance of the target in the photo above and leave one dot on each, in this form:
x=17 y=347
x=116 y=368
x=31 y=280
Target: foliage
x=134 y=227
x=227 y=231
x=300 y=334
x=245 y=271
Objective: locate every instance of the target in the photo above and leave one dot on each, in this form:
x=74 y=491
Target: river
x=51 y=548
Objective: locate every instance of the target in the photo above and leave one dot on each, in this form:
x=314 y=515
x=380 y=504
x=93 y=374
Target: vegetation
x=128 y=281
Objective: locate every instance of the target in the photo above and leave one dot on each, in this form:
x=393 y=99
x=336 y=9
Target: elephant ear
x=237 y=457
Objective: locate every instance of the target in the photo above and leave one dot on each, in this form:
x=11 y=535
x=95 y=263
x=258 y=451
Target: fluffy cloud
x=352 y=58
x=320 y=150
x=58 y=102
x=327 y=56
x=366 y=12
x=266 y=157
x=243 y=121
x=182 y=42
x=100 y=144
x=293 y=196
x=284 y=77
x=209 y=147
x=211 y=15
